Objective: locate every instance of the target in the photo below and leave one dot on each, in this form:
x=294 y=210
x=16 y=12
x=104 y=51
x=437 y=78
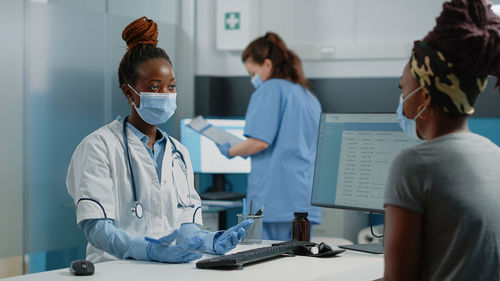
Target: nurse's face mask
x=156 y=108
x=256 y=81
x=257 y=72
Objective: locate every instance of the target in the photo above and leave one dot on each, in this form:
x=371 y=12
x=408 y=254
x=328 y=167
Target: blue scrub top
x=286 y=116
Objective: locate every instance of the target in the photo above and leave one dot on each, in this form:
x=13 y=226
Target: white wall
x=370 y=38
x=176 y=36
x=185 y=67
x=11 y=126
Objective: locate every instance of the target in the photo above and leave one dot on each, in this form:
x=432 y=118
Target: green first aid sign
x=232 y=20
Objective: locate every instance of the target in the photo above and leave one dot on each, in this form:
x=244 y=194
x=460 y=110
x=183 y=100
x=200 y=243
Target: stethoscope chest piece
x=137 y=210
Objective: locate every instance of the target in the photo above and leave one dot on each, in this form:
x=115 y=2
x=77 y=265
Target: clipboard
x=218 y=135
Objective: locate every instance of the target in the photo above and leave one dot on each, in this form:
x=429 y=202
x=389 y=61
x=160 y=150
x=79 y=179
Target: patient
x=442 y=199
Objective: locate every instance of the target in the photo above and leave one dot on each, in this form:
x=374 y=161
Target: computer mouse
x=323 y=247
x=81 y=267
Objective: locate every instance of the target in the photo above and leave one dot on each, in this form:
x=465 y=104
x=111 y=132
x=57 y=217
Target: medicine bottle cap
x=302 y=215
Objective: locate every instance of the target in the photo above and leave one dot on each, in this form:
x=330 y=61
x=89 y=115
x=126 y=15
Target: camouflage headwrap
x=454 y=90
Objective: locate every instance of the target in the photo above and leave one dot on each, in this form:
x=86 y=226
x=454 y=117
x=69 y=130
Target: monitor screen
x=353 y=159
x=205 y=156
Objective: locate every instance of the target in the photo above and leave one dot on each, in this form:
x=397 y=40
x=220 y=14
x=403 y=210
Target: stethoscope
x=177 y=156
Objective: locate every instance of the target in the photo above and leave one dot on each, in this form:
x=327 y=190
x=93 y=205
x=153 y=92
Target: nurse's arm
x=402 y=244
x=248 y=147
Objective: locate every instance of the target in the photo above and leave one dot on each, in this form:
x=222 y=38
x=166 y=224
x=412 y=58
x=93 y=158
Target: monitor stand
x=372 y=248
x=218 y=190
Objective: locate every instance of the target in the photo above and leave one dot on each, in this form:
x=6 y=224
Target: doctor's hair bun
x=139 y=32
x=467 y=32
x=142 y=37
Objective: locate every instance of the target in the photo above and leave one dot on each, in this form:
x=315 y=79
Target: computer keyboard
x=237 y=260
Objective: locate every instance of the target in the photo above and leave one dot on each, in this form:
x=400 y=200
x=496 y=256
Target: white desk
x=349 y=265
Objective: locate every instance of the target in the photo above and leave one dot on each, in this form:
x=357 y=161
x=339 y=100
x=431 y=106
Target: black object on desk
x=81 y=267
x=311 y=249
x=372 y=248
x=291 y=248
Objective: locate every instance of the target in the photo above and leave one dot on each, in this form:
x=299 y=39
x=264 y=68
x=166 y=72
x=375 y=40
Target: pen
x=251 y=203
x=156 y=241
x=259 y=212
x=244 y=207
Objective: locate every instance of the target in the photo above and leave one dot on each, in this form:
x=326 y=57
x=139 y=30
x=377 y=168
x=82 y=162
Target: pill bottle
x=301 y=227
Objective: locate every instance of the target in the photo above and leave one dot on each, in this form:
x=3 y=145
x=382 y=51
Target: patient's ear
x=427 y=97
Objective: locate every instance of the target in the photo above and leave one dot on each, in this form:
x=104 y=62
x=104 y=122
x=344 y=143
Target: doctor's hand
x=167 y=252
x=224 y=149
x=231 y=237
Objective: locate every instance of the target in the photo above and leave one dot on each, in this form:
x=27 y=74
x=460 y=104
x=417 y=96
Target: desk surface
x=349 y=265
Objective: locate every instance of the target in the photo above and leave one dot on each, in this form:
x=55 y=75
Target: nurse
x=281 y=128
x=130 y=181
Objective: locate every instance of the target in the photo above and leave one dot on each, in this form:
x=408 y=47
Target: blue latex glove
x=224 y=149
x=166 y=252
x=228 y=239
x=104 y=235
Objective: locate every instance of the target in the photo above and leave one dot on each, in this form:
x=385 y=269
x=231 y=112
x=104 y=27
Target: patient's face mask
x=256 y=81
x=409 y=126
x=156 y=108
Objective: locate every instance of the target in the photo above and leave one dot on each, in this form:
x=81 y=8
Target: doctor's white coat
x=99 y=181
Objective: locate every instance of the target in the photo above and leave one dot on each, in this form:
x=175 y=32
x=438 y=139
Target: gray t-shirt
x=454 y=182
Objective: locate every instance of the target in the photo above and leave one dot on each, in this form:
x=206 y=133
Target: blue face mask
x=257 y=81
x=156 y=108
x=409 y=126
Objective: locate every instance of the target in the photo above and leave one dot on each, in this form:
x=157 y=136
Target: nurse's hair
x=141 y=37
x=467 y=32
x=286 y=64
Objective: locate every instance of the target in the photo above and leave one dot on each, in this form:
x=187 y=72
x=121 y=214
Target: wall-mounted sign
x=232 y=24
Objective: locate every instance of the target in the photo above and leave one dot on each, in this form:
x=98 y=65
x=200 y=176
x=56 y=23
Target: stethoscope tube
x=137 y=209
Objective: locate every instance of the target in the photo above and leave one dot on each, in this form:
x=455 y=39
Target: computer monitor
x=207 y=159
x=205 y=156
x=353 y=158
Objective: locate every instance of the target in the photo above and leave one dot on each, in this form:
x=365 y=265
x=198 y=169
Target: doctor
x=281 y=126
x=130 y=181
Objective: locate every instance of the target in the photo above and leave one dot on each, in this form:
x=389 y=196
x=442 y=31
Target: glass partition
x=73 y=49
x=65 y=93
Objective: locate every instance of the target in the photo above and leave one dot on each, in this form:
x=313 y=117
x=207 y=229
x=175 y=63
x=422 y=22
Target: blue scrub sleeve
x=104 y=235
x=264 y=113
